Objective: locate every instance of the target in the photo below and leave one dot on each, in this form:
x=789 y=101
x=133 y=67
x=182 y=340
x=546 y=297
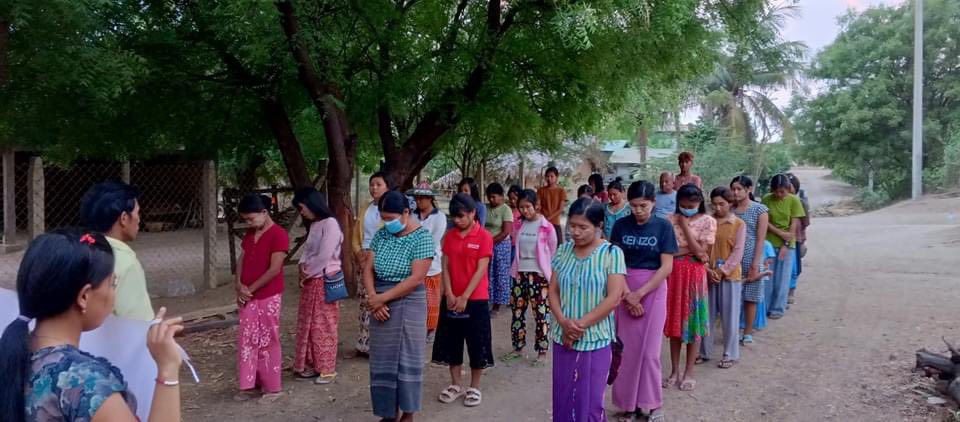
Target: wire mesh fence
x=170 y=245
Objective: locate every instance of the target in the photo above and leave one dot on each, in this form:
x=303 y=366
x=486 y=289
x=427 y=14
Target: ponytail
x=53 y=271
x=14 y=347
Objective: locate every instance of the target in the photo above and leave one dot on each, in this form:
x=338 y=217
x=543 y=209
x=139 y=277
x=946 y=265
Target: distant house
x=625 y=159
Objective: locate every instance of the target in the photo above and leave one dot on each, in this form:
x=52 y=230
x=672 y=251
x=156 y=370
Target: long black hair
x=691 y=191
x=474 y=189
x=313 y=200
x=589 y=208
x=642 y=189
x=54 y=269
x=596 y=182
x=746 y=182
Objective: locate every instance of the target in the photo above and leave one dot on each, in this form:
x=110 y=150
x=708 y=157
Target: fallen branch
x=945 y=368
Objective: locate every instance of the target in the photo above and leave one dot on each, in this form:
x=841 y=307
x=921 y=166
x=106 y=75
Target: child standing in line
x=552 y=199
x=536 y=243
x=500 y=226
x=725 y=276
x=801 y=236
x=616 y=209
x=686 y=176
x=259 y=286
x=687 y=308
x=769 y=256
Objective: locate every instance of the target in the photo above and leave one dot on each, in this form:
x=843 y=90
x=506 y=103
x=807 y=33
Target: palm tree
x=737 y=94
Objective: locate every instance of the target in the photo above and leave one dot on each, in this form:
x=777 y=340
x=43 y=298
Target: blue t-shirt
x=643 y=244
x=769 y=252
x=666 y=204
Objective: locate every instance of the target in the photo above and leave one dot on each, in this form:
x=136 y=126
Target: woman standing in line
x=786 y=210
x=596 y=182
x=616 y=209
x=368 y=223
x=687 y=309
x=587 y=284
x=536 y=243
x=470 y=187
x=500 y=226
x=725 y=278
x=401 y=253
x=648 y=243
x=801 y=236
x=467 y=249
x=432 y=219
x=754 y=215
x=316 y=352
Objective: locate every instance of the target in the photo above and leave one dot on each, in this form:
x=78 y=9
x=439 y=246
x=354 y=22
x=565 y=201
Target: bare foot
x=671 y=381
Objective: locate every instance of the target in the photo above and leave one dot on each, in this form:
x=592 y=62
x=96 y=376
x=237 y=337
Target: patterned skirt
x=500 y=280
x=688 y=313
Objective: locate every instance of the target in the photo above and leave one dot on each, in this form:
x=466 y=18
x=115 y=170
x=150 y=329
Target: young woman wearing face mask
x=259 y=288
x=586 y=286
x=687 y=311
x=786 y=210
x=401 y=253
x=648 y=244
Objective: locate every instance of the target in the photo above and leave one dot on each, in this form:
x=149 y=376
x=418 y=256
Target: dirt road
x=876 y=287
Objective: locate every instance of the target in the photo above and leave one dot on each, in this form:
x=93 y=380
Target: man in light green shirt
x=112 y=209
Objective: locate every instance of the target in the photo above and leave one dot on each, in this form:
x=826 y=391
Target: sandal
x=670 y=382
x=701 y=360
x=473 y=398
x=539 y=362
x=726 y=364
x=245 y=395
x=306 y=375
x=269 y=398
x=627 y=417
x=688 y=385
x=656 y=416
x=326 y=379
x=450 y=394
x=747 y=339
x=512 y=356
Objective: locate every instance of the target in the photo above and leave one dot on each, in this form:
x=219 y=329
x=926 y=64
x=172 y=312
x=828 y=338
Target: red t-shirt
x=463 y=253
x=256 y=259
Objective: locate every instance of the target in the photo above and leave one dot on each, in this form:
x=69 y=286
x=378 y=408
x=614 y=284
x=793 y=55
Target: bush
x=872 y=200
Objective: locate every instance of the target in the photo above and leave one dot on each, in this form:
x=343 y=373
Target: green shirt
x=133 y=300
x=583 y=286
x=782 y=212
x=496 y=217
x=393 y=256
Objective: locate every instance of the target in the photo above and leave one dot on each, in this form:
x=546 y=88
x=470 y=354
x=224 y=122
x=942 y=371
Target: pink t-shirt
x=321 y=252
x=704 y=228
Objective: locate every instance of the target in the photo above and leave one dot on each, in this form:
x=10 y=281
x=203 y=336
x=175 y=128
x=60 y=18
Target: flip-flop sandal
x=270 y=398
x=656 y=416
x=512 y=356
x=627 y=417
x=688 y=385
x=245 y=395
x=726 y=364
x=701 y=360
x=670 y=382
x=326 y=379
x=450 y=394
x=306 y=375
x=473 y=398
x=747 y=339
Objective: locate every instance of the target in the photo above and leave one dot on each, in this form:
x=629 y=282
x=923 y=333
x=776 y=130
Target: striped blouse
x=583 y=286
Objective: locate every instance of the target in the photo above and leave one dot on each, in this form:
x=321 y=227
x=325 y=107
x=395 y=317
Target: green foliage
x=861 y=122
x=871 y=200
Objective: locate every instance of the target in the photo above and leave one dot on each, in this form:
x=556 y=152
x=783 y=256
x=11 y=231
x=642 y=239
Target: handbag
x=334 y=287
x=617 y=347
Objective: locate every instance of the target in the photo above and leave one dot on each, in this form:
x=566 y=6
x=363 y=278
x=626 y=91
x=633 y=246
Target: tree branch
x=305 y=67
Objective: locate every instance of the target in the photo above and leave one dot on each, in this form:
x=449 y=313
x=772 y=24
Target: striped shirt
x=583 y=286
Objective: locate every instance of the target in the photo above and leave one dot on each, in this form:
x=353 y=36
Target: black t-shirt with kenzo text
x=643 y=244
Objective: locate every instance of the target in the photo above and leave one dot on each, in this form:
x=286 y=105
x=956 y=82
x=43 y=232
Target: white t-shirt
x=527 y=245
x=436 y=224
x=371 y=223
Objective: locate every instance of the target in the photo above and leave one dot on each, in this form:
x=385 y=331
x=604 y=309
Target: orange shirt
x=551 y=200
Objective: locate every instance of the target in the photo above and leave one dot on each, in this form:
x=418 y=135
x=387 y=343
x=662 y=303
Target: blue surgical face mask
x=689 y=212
x=394 y=226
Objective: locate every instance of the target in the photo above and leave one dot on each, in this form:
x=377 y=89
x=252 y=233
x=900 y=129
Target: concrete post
x=35 y=198
x=209 y=204
x=9 y=198
x=125 y=172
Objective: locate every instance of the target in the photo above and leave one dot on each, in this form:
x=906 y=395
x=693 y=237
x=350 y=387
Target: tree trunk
x=279 y=122
x=644 y=141
x=247 y=175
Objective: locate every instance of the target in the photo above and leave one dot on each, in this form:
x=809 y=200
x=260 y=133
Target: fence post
x=9 y=198
x=125 y=171
x=35 y=198
x=209 y=195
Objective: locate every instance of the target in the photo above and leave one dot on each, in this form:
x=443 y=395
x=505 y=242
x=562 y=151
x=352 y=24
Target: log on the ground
x=209 y=319
x=209 y=312
x=944 y=367
x=208 y=324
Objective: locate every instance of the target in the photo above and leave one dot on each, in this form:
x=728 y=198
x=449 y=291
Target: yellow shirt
x=133 y=300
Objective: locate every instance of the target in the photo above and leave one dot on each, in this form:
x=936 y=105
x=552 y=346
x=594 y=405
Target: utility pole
x=918 y=100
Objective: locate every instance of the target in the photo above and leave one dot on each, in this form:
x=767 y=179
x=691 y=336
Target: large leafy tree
x=860 y=124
